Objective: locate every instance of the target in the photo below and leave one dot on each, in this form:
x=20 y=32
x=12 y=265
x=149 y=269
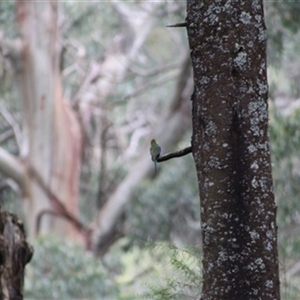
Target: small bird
x=155 y=151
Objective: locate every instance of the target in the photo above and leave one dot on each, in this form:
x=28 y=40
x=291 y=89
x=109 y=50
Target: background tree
x=50 y=147
x=231 y=150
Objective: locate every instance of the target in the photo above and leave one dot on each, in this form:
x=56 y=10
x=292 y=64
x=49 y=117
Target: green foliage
x=289 y=11
x=184 y=274
x=282 y=18
x=61 y=270
x=7 y=18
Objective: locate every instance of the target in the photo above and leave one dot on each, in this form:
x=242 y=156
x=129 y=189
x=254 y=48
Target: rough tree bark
x=15 y=253
x=231 y=149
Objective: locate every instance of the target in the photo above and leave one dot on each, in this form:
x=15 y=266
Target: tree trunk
x=51 y=144
x=231 y=149
x=15 y=253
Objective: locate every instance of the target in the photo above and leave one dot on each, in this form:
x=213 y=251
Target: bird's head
x=153 y=142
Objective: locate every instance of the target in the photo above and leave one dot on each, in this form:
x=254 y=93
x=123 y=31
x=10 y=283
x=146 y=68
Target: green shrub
x=62 y=270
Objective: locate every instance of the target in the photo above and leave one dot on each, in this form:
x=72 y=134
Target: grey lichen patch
x=264 y=146
x=213 y=11
x=269 y=246
x=254 y=235
x=240 y=60
x=255 y=128
x=252 y=149
x=210 y=267
x=212 y=19
x=269 y=284
x=264 y=184
x=262 y=35
x=257 y=265
x=223 y=256
x=250 y=90
x=259 y=106
x=258 y=111
x=254 y=166
x=254 y=183
x=260 y=263
x=254 y=291
x=258 y=18
x=245 y=17
x=197 y=61
x=270 y=234
x=211 y=128
x=250 y=44
x=228 y=6
x=256 y=6
x=258 y=114
x=262 y=87
x=214 y=162
x=204 y=80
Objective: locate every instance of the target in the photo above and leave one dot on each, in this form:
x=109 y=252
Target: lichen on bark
x=231 y=149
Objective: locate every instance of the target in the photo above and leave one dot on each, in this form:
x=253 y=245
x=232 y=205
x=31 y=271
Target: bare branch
x=6 y=135
x=171 y=155
x=12 y=167
x=86 y=232
x=58 y=205
x=13 y=123
x=184 y=24
x=11 y=49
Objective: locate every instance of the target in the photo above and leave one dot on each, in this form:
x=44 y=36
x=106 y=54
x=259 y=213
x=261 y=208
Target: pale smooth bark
x=51 y=135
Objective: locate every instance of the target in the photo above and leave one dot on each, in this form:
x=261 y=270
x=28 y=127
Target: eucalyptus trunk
x=51 y=135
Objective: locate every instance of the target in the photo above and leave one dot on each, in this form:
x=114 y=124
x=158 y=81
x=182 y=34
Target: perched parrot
x=155 y=151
